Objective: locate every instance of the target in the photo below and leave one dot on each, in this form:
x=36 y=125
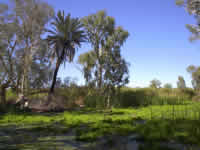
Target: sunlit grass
x=161 y=122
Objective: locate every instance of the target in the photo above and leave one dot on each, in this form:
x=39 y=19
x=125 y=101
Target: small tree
x=155 y=84
x=168 y=86
x=116 y=75
x=195 y=73
x=181 y=83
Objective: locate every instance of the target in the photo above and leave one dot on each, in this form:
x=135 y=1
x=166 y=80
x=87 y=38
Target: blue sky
x=158 y=45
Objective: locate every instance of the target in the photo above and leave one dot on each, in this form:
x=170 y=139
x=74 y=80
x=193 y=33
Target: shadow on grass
x=78 y=133
x=45 y=137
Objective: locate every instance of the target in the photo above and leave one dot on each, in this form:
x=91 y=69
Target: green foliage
x=155 y=83
x=130 y=97
x=192 y=7
x=72 y=94
x=65 y=36
x=109 y=68
x=168 y=86
x=127 y=97
x=88 y=61
x=179 y=123
x=195 y=73
x=181 y=83
x=11 y=95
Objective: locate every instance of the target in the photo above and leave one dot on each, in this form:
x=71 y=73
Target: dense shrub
x=128 y=97
x=10 y=95
x=73 y=94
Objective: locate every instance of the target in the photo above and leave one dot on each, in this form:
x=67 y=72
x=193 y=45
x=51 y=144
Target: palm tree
x=66 y=35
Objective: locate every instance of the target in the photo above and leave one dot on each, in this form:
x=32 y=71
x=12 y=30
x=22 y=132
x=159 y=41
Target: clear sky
x=158 y=45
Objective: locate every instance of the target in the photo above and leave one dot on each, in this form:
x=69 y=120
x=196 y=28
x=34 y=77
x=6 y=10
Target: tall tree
x=22 y=24
x=8 y=49
x=116 y=73
x=181 y=83
x=155 y=83
x=31 y=18
x=98 y=27
x=105 y=64
x=65 y=36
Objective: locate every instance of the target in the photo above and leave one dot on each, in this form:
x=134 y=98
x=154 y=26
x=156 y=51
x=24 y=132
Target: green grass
x=163 y=123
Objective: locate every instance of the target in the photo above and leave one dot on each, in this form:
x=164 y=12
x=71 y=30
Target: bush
x=11 y=95
x=130 y=97
x=94 y=99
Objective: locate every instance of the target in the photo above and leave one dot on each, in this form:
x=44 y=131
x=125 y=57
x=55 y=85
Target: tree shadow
x=186 y=132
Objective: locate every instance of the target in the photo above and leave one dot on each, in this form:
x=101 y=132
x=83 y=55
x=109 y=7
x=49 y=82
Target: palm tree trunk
x=58 y=63
x=55 y=76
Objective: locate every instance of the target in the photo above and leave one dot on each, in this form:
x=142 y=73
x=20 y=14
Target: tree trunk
x=100 y=76
x=22 y=84
x=55 y=76
x=18 y=86
x=108 y=102
x=3 y=95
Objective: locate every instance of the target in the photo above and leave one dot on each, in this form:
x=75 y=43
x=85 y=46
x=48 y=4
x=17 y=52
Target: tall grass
x=130 y=97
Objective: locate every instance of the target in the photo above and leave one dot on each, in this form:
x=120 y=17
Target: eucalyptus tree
x=98 y=27
x=66 y=35
x=116 y=73
x=104 y=64
x=8 y=46
x=41 y=70
x=181 y=83
x=193 y=8
x=88 y=61
x=195 y=73
x=155 y=83
x=22 y=24
x=168 y=86
x=32 y=16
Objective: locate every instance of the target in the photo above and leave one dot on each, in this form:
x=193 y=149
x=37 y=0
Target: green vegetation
x=155 y=116
x=34 y=43
x=151 y=124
